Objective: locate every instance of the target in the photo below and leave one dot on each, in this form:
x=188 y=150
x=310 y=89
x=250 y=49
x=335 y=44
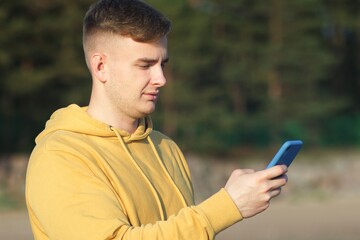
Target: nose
x=159 y=78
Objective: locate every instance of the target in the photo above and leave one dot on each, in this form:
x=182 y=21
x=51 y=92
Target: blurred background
x=243 y=77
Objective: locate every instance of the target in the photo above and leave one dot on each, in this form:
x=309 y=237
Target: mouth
x=152 y=96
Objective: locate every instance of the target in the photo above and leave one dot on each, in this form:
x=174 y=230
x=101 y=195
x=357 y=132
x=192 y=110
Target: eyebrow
x=152 y=61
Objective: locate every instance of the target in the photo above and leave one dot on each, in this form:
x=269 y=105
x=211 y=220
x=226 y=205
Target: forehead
x=130 y=48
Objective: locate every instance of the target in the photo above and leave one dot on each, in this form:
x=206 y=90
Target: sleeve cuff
x=220 y=211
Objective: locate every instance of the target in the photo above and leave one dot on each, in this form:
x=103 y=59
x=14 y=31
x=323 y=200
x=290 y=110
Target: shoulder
x=64 y=141
x=61 y=148
x=165 y=144
x=160 y=138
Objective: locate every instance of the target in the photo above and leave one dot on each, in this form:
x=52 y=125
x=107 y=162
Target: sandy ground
x=15 y=226
x=320 y=202
x=330 y=220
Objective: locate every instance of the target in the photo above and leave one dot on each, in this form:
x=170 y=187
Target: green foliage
x=342 y=130
x=41 y=64
x=241 y=74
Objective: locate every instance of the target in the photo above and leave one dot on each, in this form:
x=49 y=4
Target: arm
x=67 y=200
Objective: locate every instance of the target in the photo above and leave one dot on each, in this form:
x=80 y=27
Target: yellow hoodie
x=88 y=180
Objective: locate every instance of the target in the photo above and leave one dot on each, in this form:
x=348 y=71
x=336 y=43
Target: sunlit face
x=135 y=75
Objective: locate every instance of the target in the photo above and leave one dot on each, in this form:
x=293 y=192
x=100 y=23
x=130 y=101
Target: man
x=102 y=172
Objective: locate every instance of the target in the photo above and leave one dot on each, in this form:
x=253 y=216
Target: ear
x=97 y=62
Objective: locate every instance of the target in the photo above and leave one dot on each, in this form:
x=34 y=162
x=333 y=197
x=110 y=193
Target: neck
x=112 y=117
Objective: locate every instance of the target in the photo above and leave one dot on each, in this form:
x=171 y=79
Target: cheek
x=129 y=80
x=139 y=79
x=113 y=91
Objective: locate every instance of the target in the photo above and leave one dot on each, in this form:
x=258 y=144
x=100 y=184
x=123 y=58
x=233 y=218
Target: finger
x=275 y=192
x=275 y=171
x=278 y=182
x=286 y=177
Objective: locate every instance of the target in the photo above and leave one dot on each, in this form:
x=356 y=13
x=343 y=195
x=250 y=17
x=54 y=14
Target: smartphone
x=286 y=153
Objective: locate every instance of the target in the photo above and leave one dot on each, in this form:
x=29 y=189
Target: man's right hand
x=252 y=191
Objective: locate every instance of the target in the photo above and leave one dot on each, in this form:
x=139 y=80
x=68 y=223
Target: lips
x=152 y=95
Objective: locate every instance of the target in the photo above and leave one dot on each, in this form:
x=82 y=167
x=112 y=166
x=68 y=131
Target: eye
x=164 y=63
x=144 y=67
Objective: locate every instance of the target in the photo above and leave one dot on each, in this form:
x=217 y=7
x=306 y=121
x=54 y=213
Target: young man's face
x=135 y=75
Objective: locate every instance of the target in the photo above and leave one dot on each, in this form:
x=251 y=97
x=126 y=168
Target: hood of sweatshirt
x=76 y=119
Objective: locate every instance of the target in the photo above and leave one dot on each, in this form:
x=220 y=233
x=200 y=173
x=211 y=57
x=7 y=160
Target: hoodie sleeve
x=67 y=201
x=200 y=222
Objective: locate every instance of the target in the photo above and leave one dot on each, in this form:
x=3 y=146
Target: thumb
x=236 y=174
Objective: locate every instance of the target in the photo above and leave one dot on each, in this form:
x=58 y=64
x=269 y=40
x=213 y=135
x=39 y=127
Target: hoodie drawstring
x=156 y=195
x=166 y=171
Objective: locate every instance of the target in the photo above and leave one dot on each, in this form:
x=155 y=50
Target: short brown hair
x=128 y=18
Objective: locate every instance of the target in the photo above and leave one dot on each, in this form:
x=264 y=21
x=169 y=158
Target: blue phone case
x=286 y=153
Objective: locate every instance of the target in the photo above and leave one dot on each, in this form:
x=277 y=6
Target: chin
x=150 y=111
x=146 y=112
